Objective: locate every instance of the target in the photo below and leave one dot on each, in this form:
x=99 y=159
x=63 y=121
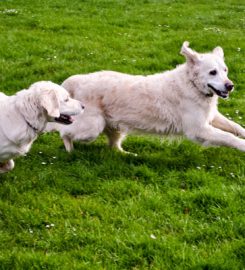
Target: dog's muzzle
x=229 y=86
x=223 y=94
x=64 y=119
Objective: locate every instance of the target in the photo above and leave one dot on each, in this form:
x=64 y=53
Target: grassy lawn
x=177 y=205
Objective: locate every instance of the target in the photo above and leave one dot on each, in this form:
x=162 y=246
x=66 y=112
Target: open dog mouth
x=64 y=119
x=223 y=94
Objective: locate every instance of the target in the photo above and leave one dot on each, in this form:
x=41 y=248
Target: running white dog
x=180 y=101
x=25 y=115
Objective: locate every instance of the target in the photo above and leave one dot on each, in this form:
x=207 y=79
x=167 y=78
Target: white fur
x=180 y=101
x=24 y=115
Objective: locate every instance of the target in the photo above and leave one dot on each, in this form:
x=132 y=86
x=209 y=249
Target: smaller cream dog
x=182 y=101
x=24 y=115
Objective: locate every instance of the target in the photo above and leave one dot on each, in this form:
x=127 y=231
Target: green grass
x=176 y=205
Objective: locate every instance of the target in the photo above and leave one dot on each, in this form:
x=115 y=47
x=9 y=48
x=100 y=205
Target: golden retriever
x=180 y=101
x=24 y=115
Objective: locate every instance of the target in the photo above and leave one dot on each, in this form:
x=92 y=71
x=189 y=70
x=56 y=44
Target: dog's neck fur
x=31 y=111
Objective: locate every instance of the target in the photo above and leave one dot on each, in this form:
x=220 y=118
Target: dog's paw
x=7 y=166
x=128 y=153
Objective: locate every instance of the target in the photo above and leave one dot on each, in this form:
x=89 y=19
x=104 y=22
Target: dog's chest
x=10 y=150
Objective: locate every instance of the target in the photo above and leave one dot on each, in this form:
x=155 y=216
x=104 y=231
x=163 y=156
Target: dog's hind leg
x=85 y=128
x=115 y=139
x=68 y=143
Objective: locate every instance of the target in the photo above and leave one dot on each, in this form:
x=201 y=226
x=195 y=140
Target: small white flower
x=153 y=236
x=44 y=163
x=215 y=29
x=30 y=231
x=10 y=11
x=240 y=117
x=40 y=152
x=51 y=225
x=54 y=157
x=238 y=49
x=47 y=226
x=198 y=167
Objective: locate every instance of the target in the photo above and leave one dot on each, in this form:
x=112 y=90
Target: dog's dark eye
x=226 y=70
x=66 y=100
x=213 y=72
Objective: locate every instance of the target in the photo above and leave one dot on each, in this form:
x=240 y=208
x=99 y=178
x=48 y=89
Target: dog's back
x=98 y=84
x=3 y=96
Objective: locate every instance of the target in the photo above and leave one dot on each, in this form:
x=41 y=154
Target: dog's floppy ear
x=219 y=51
x=190 y=55
x=49 y=101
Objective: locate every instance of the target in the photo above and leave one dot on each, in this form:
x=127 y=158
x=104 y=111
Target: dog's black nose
x=229 y=86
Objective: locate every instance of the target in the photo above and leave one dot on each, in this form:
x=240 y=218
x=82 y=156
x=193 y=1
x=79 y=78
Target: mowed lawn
x=177 y=205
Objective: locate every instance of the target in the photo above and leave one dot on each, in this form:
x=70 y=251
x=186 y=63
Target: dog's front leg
x=209 y=135
x=221 y=122
x=7 y=166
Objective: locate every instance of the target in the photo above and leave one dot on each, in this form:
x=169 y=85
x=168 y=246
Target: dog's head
x=208 y=72
x=56 y=102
